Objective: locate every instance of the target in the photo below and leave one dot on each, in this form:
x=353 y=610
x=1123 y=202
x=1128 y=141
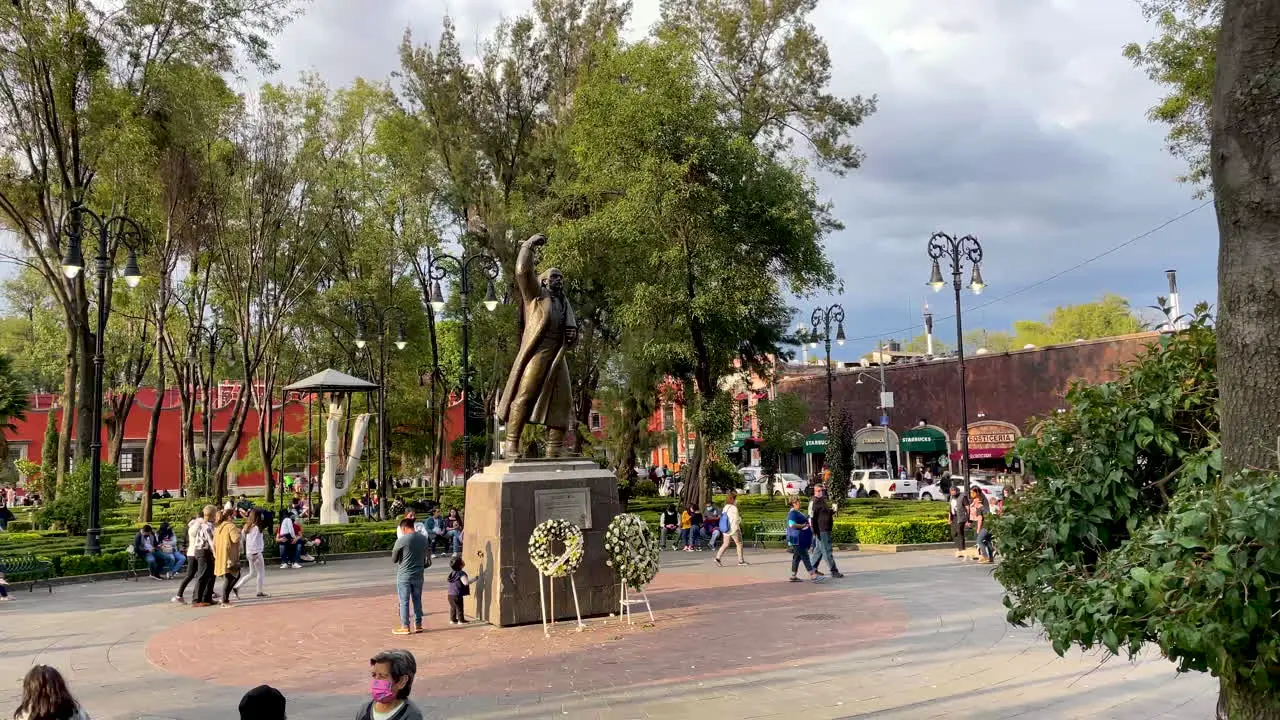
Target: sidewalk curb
x=25 y=585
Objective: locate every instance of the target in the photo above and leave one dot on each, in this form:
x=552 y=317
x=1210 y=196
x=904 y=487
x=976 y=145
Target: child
x=459 y=587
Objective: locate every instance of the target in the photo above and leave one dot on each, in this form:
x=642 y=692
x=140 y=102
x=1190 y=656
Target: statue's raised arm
x=526 y=273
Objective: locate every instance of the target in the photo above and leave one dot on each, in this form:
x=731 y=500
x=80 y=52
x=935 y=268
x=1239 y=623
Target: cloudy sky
x=1017 y=121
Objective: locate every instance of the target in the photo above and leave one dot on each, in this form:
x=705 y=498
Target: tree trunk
x=1242 y=702
x=153 y=428
x=1245 y=157
x=69 y=380
x=1246 y=182
x=84 y=429
x=121 y=406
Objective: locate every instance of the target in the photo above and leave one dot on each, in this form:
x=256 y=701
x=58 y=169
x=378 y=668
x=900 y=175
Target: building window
x=595 y=420
x=8 y=468
x=668 y=417
x=130 y=461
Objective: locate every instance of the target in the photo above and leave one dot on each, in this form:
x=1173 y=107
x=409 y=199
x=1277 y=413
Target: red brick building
x=1006 y=393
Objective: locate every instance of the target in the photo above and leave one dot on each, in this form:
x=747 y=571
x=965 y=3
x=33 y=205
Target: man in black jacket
x=821 y=518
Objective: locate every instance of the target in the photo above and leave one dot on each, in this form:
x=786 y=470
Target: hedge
x=891 y=532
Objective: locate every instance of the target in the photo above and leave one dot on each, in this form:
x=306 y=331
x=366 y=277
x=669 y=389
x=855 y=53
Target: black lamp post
x=382 y=318
x=73 y=265
x=823 y=317
x=437 y=270
x=214 y=338
x=956 y=250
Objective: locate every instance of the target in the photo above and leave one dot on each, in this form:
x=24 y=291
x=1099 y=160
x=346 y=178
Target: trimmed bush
x=891 y=532
x=18 y=526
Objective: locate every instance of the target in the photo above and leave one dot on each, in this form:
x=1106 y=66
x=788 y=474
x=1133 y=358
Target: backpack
x=724 y=522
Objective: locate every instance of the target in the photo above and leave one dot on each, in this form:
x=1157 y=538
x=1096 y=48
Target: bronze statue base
x=504 y=504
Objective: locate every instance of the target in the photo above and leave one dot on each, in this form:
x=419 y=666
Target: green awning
x=924 y=440
x=815 y=444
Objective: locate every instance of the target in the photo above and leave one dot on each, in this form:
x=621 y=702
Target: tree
x=839 y=455
x=1107 y=317
x=1182 y=59
x=1244 y=155
x=995 y=341
x=781 y=422
x=704 y=233
x=14 y=401
x=1119 y=476
x=920 y=345
x=769 y=70
x=86 y=89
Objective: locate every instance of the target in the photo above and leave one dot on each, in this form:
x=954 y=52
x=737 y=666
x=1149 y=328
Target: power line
x=1051 y=278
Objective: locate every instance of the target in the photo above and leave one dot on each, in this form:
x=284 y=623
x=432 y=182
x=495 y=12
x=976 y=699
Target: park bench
x=26 y=568
x=767 y=530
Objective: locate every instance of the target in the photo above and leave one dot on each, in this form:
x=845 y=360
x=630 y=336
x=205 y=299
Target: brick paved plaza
x=912 y=635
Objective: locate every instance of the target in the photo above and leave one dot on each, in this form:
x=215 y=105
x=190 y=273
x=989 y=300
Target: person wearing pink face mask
x=390 y=682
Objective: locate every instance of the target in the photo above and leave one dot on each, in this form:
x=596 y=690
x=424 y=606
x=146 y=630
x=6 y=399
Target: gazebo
x=336 y=384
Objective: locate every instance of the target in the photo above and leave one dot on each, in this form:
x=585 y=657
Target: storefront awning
x=815 y=444
x=924 y=440
x=872 y=440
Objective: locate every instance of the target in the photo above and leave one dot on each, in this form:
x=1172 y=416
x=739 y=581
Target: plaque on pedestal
x=504 y=504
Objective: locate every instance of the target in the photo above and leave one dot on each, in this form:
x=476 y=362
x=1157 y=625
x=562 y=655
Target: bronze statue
x=538 y=389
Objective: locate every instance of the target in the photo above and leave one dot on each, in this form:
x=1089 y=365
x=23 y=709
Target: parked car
x=879 y=483
x=787 y=484
x=930 y=491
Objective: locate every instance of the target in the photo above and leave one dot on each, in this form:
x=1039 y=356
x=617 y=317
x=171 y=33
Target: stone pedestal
x=504 y=504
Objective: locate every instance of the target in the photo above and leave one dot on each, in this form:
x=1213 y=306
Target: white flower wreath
x=632 y=550
x=542 y=540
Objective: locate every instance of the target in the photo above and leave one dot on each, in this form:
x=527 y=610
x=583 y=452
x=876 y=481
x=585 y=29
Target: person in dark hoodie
x=822 y=516
x=390 y=682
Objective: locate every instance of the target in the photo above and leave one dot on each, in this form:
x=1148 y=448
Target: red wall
x=167 y=473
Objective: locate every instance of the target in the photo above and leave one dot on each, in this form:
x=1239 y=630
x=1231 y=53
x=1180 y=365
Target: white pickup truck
x=879 y=483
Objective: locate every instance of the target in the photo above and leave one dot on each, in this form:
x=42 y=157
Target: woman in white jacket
x=253 y=546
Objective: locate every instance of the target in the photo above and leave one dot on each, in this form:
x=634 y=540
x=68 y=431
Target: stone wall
x=1013 y=387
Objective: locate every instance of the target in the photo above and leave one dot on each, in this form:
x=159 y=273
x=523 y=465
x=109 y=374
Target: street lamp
x=72 y=266
x=216 y=336
x=382 y=318
x=823 y=317
x=462 y=266
x=957 y=250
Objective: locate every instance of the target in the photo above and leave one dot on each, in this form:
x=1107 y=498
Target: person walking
x=978 y=516
x=799 y=538
x=822 y=518
x=410 y=554
x=958 y=515
x=204 y=551
x=45 y=696
x=253 y=549
x=731 y=526
x=193 y=562
x=459 y=587
x=226 y=555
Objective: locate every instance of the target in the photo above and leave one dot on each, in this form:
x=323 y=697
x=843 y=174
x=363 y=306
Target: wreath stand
x=624 y=606
x=549 y=620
